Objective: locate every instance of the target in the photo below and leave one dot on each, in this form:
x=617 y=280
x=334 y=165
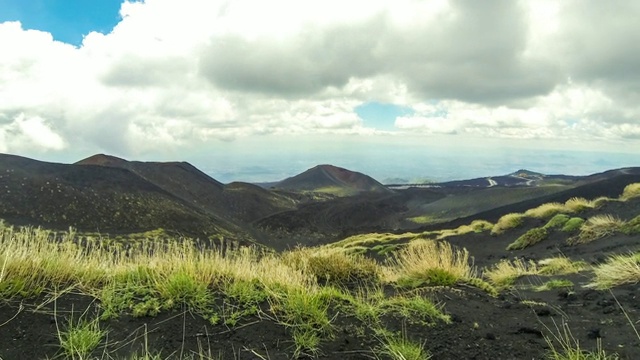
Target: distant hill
x=332 y=180
x=99 y=198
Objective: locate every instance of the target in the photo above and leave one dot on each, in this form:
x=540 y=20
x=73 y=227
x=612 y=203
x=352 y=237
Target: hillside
x=98 y=198
x=332 y=180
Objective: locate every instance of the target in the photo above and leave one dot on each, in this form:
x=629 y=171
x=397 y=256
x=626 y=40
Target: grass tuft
x=547 y=210
x=402 y=348
x=428 y=262
x=560 y=266
x=597 y=227
x=630 y=191
x=504 y=274
x=80 y=339
x=618 y=270
x=578 y=204
x=507 y=222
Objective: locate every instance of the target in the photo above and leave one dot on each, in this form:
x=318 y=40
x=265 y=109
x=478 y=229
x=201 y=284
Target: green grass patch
x=78 y=340
x=555 y=284
x=557 y=221
x=529 y=238
x=402 y=348
x=572 y=225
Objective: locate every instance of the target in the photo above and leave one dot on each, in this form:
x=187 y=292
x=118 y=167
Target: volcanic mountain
x=98 y=199
x=332 y=180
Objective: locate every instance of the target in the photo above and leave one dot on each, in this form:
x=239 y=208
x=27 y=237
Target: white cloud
x=175 y=74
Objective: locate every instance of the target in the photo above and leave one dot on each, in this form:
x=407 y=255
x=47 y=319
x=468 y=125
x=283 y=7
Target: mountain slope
x=98 y=198
x=236 y=202
x=333 y=180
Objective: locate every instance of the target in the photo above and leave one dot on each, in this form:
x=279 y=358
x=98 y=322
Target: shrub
x=507 y=222
x=545 y=211
x=529 y=238
x=577 y=204
x=630 y=191
x=597 y=227
x=631 y=227
x=557 y=221
x=573 y=224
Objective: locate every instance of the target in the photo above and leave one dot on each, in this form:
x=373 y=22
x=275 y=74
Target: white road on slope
x=492 y=182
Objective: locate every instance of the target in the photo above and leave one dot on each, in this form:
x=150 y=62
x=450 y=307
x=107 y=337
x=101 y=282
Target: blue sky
x=252 y=89
x=67 y=20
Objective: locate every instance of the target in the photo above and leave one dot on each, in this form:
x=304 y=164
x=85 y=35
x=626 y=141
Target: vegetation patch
x=578 y=204
x=555 y=284
x=547 y=210
x=507 y=222
x=425 y=261
x=402 y=348
x=572 y=225
x=597 y=227
x=505 y=273
x=631 y=227
x=333 y=266
x=557 y=221
x=618 y=270
x=560 y=266
x=631 y=191
x=529 y=238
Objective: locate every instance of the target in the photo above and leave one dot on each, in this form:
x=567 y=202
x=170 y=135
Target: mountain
x=99 y=198
x=332 y=180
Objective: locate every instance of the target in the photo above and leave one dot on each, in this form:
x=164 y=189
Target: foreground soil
x=513 y=325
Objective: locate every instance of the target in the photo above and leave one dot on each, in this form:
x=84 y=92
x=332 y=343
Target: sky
x=256 y=90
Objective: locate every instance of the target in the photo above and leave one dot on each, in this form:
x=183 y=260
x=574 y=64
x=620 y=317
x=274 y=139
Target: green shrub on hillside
x=631 y=227
x=557 y=221
x=529 y=238
x=573 y=224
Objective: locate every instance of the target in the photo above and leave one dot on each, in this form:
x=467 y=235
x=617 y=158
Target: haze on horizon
x=258 y=91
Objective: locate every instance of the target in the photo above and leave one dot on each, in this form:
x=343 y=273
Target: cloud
x=175 y=75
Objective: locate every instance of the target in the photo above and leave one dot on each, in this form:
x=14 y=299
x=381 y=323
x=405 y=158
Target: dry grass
x=333 y=265
x=507 y=222
x=595 y=228
x=503 y=274
x=422 y=259
x=547 y=210
x=630 y=191
x=578 y=204
x=560 y=266
x=618 y=270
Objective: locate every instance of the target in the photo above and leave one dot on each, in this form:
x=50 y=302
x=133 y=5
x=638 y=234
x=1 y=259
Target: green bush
x=573 y=224
x=631 y=227
x=557 y=221
x=529 y=238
